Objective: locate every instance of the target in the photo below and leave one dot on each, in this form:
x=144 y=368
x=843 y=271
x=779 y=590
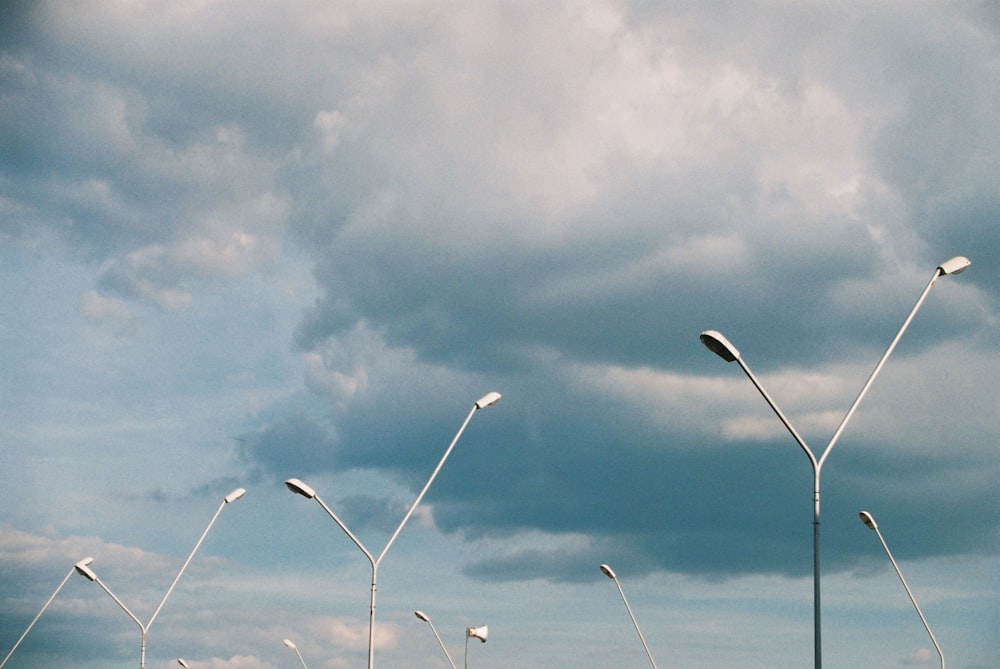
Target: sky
x=246 y=242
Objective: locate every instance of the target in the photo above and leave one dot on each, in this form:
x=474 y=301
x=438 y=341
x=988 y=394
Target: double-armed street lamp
x=611 y=574
x=718 y=344
x=298 y=487
x=82 y=563
x=869 y=522
x=88 y=573
x=291 y=645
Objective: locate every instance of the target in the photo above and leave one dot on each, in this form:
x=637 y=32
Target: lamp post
x=721 y=346
x=288 y=644
x=611 y=574
x=480 y=633
x=297 y=486
x=85 y=571
x=869 y=522
x=84 y=562
x=423 y=616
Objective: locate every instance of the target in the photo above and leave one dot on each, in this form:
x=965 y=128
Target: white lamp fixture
x=300 y=488
x=718 y=344
x=289 y=644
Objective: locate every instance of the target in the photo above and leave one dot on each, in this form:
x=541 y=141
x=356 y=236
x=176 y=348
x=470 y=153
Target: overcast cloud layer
x=245 y=242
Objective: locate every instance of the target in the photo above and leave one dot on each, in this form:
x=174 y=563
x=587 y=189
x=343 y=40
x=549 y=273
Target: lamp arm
x=781 y=416
x=39 y=615
x=121 y=605
x=910 y=595
x=878 y=367
x=186 y=563
x=441 y=643
x=348 y=532
x=427 y=485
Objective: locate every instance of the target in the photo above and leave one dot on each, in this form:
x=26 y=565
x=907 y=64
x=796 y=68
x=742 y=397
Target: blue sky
x=242 y=242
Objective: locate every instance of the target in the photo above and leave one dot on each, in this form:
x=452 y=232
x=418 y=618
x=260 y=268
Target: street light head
x=288 y=644
x=422 y=616
x=608 y=571
x=234 y=495
x=83 y=570
x=301 y=488
x=956 y=265
x=867 y=519
x=488 y=399
x=716 y=343
x=181 y=662
x=478 y=632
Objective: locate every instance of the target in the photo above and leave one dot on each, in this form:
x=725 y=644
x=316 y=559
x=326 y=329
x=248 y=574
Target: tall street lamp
x=88 y=573
x=84 y=562
x=297 y=486
x=423 y=616
x=721 y=346
x=869 y=522
x=289 y=644
x=611 y=574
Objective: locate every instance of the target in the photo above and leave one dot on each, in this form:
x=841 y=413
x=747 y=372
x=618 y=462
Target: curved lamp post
x=288 y=644
x=85 y=571
x=423 y=616
x=869 y=522
x=721 y=346
x=480 y=633
x=611 y=574
x=297 y=486
x=84 y=562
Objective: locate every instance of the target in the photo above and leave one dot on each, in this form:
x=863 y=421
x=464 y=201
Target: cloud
x=248 y=243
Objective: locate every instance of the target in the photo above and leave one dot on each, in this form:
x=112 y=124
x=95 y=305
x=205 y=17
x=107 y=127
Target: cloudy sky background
x=242 y=242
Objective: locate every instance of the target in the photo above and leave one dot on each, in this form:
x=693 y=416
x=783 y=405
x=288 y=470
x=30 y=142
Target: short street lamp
x=85 y=571
x=288 y=644
x=300 y=488
x=480 y=633
x=869 y=522
x=423 y=616
x=718 y=344
x=84 y=562
x=611 y=574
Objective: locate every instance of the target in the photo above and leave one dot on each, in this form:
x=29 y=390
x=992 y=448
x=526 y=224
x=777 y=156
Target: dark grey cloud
x=487 y=218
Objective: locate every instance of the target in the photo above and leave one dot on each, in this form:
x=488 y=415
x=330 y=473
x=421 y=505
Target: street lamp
x=869 y=522
x=298 y=487
x=85 y=571
x=288 y=644
x=181 y=662
x=84 y=562
x=611 y=574
x=718 y=344
x=423 y=616
x=480 y=633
